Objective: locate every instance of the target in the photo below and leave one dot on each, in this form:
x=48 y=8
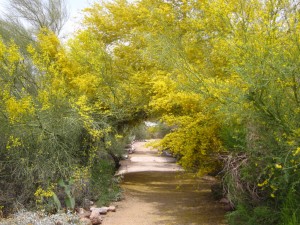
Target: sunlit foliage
x=223 y=75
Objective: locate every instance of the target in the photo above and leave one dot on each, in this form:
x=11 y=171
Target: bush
x=37 y=155
x=245 y=215
x=158 y=131
x=104 y=186
x=289 y=214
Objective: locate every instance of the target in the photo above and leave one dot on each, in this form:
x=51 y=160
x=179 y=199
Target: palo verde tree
x=56 y=133
x=223 y=74
x=148 y=42
x=40 y=136
x=23 y=19
x=120 y=71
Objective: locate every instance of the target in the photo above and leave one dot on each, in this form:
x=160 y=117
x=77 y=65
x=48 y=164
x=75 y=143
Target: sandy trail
x=133 y=210
x=147 y=159
x=161 y=196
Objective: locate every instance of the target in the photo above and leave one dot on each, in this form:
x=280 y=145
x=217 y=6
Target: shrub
x=104 y=186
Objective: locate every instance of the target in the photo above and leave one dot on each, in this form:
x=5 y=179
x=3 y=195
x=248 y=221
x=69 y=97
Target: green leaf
x=56 y=202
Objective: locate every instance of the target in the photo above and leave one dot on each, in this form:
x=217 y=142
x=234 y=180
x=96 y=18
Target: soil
x=157 y=192
x=147 y=159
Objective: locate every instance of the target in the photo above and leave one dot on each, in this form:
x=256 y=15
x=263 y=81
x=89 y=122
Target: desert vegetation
x=221 y=75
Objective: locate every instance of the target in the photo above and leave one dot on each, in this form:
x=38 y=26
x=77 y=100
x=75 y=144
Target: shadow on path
x=158 y=192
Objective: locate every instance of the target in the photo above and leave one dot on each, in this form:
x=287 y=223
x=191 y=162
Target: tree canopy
x=222 y=74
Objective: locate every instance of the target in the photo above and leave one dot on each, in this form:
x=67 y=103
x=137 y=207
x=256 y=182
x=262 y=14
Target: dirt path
x=147 y=159
x=162 y=196
x=133 y=210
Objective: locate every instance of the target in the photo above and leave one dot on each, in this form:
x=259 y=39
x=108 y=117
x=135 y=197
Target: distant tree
x=24 y=18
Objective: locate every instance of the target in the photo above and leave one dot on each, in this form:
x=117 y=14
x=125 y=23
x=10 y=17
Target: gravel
x=39 y=218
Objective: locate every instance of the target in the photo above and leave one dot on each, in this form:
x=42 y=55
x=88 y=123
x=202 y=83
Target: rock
x=79 y=210
x=95 y=215
x=82 y=213
x=224 y=201
x=102 y=210
x=96 y=220
x=93 y=207
x=111 y=208
x=87 y=204
x=227 y=205
x=166 y=153
x=34 y=218
x=85 y=221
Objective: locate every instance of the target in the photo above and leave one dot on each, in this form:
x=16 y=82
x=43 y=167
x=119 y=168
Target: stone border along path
x=147 y=159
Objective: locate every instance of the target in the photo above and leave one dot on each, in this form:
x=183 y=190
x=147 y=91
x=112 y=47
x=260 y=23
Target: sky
x=74 y=7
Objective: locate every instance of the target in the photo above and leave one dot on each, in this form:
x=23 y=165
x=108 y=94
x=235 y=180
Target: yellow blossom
x=263 y=183
x=273 y=195
x=278 y=166
x=297 y=151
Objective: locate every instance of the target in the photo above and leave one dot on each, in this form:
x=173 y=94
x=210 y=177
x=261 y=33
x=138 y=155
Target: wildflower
x=272 y=195
x=263 y=183
x=278 y=166
x=297 y=151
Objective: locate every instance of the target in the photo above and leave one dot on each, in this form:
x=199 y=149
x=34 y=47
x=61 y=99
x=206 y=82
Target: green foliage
x=225 y=81
x=105 y=187
x=221 y=75
x=140 y=132
x=56 y=202
x=234 y=136
x=69 y=199
x=49 y=130
x=260 y=215
x=159 y=130
x=289 y=214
